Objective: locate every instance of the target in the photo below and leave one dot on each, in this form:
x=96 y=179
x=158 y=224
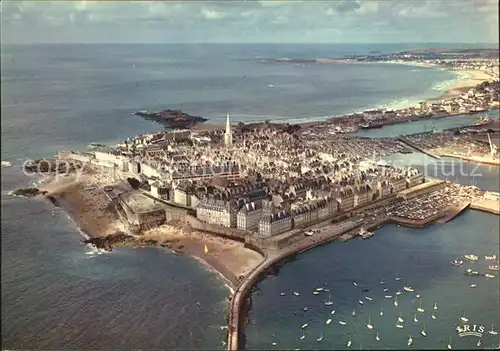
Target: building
x=228 y=137
x=275 y=223
x=249 y=216
x=218 y=212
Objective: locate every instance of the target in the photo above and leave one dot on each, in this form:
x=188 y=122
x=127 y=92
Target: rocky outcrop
x=108 y=242
x=172 y=118
x=28 y=192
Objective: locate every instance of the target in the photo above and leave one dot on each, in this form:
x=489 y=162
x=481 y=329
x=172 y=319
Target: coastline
x=94 y=219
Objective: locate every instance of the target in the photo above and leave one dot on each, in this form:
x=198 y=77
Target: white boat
x=457 y=262
x=400 y=326
x=400 y=319
x=396 y=303
x=304 y=325
x=494 y=267
x=433 y=316
x=385 y=290
x=377 y=337
x=320 y=338
x=423 y=332
x=353 y=313
x=418 y=296
x=397 y=278
x=408 y=287
x=315 y=292
x=354 y=283
x=463 y=318
x=382 y=281
x=478 y=343
x=415 y=318
x=388 y=296
x=296 y=293
x=320 y=289
x=381 y=312
x=328 y=321
x=282 y=294
x=420 y=309
x=399 y=292
x=410 y=340
x=349 y=343
x=274 y=344
x=342 y=323
x=471 y=257
x=329 y=302
x=303 y=336
x=449 y=344
x=473 y=285
x=368 y=298
x=360 y=302
x=493 y=257
x=492 y=331
x=369 y=325
x=333 y=312
x=487 y=275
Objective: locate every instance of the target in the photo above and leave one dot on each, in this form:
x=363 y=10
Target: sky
x=250 y=21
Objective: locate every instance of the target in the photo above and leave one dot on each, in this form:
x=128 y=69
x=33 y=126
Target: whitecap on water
x=6 y=164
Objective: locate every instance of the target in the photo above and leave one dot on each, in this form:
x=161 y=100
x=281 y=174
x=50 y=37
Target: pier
x=418 y=148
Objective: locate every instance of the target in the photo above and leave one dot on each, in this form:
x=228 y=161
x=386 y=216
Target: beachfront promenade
x=272 y=257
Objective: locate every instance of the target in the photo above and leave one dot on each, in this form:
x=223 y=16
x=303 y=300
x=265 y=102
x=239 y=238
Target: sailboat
x=420 y=309
x=415 y=318
x=478 y=343
x=463 y=318
x=315 y=292
x=328 y=321
x=385 y=289
x=396 y=303
x=435 y=306
x=342 y=323
x=355 y=284
x=206 y=249
x=305 y=323
x=381 y=312
x=418 y=296
x=369 y=325
x=399 y=292
x=397 y=278
x=382 y=281
x=353 y=313
x=377 y=337
x=303 y=336
x=492 y=331
x=449 y=344
x=274 y=343
x=410 y=340
x=388 y=296
x=423 y=332
x=349 y=343
x=400 y=319
x=320 y=337
x=361 y=302
x=400 y=326
x=329 y=302
x=433 y=316
x=333 y=312
x=407 y=287
x=368 y=298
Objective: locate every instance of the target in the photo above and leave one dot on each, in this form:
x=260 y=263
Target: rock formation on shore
x=28 y=192
x=172 y=118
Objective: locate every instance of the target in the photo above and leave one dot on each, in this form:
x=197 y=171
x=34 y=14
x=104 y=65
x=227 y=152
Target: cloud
x=211 y=14
x=251 y=21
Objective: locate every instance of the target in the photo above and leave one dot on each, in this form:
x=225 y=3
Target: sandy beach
x=461 y=86
x=89 y=207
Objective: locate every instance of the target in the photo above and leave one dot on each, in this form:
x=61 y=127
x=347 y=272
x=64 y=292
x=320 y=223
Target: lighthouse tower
x=228 y=137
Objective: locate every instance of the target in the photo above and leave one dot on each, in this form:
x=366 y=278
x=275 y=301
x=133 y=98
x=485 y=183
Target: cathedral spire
x=228 y=137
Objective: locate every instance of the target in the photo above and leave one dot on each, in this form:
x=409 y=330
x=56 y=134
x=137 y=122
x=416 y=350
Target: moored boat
x=457 y=262
x=494 y=267
x=471 y=257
